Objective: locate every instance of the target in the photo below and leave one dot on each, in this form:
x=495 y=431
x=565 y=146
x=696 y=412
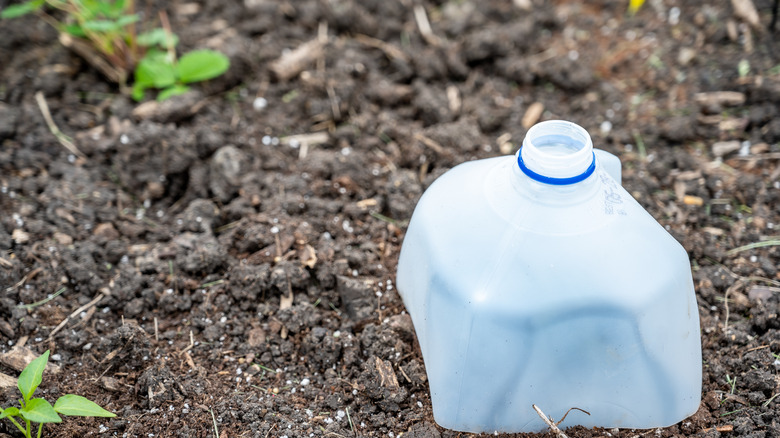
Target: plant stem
x=40 y=429
x=28 y=434
x=133 y=44
x=43 y=301
x=18 y=426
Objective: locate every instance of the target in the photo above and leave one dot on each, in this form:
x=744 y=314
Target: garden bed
x=225 y=260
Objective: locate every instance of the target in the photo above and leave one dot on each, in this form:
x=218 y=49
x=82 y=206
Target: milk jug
x=537 y=279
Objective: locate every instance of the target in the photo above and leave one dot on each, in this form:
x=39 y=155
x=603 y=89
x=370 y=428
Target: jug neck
x=556 y=164
x=557 y=153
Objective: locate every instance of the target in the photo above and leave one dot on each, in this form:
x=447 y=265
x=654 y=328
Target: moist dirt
x=225 y=260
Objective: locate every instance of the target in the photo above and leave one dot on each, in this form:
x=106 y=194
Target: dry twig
x=421 y=17
x=553 y=426
x=104 y=292
x=61 y=137
x=389 y=50
x=292 y=63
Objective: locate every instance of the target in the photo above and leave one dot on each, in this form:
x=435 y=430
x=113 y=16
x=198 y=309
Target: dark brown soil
x=247 y=276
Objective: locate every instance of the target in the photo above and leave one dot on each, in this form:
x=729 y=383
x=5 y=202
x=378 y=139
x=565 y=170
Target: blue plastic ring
x=556 y=181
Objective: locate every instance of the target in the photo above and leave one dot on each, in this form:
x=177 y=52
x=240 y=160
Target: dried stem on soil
x=553 y=427
x=421 y=17
x=61 y=137
x=103 y=293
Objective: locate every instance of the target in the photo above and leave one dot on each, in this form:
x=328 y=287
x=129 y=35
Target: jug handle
x=610 y=163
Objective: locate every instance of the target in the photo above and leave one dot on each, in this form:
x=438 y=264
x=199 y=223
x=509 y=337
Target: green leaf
x=154 y=72
x=40 y=411
x=14 y=11
x=106 y=9
x=144 y=74
x=101 y=26
x=119 y=7
x=87 y=9
x=32 y=375
x=138 y=91
x=174 y=90
x=124 y=20
x=75 y=30
x=71 y=404
x=200 y=65
x=9 y=412
x=156 y=55
x=158 y=37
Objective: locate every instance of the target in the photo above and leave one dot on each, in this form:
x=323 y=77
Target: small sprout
x=732 y=383
x=160 y=70
x=743 y=68
x=117 y=50
x=14 y=11
x=38 y=410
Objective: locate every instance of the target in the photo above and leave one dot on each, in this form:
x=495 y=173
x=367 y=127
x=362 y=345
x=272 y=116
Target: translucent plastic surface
x=563 y=296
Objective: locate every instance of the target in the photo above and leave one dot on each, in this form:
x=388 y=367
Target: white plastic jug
x=537 y=279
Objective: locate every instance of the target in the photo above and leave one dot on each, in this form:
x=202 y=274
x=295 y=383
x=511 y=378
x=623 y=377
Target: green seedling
x=105 y=34
x=38 y=410
x=160 y=70
x=732 y=383
x=743 y=68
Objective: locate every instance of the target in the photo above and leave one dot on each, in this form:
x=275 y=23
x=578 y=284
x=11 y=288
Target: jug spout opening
x=557 y=152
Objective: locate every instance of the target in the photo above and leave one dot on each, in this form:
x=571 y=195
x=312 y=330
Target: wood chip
x=19 y=357
x=187 y=8
x=62 y=238
x=111 y=384
x=725 y=428
x=709 y=120
x=723 y=148
x=693 y=200
x=746 y=10
x=525 y=5
x=364 y=204
x=714 y=231
x=679 y=189
x=7 y=381
x=759 y=148
x=505 y=143
x=737 y=398
x=731 y=30
x=386 y=373
x=256 y=337
x=6 y=329
x=453 y=98
x=688 y=175
x=20 y=236
x=286 y=301
x=292 y=63
x=734 y=124
x=308 y=256
x=532 y=114
x=171 y=110
x=728 y=98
